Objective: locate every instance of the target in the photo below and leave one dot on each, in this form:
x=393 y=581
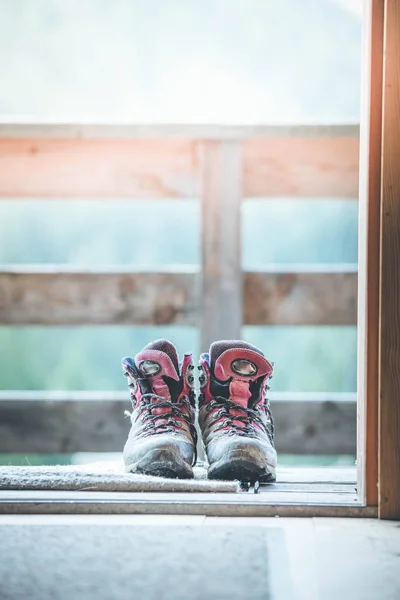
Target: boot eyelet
x=203 y=377
x=189 y=379
x=132 y=384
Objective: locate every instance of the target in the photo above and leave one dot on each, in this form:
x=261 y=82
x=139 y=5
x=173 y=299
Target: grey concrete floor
x=177 y=557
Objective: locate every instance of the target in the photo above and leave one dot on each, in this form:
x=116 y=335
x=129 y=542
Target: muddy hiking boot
x=162 y=439
x=234 y=414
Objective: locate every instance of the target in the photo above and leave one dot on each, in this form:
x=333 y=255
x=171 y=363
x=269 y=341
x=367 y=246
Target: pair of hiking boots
x=234 y=416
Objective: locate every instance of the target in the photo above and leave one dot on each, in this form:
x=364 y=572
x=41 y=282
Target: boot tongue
x=156 y=361
x=240 y=363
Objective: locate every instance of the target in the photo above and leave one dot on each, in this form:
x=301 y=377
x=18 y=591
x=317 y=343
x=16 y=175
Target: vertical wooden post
x=369 y=250
x=222 y=306
x=389 y=406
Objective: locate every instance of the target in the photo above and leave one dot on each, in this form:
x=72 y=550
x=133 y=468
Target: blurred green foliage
x=160 y=234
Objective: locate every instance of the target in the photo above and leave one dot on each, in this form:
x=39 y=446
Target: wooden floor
x=297 y=559
x=327 y=491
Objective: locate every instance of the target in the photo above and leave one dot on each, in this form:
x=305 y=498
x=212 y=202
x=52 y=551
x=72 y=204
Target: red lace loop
x=249 y=418
x=180 y=409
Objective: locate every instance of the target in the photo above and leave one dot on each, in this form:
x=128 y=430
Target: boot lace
x=249 y=417
x=176 y=409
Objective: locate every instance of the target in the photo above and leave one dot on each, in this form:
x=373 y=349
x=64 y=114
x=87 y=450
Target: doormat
x=105 y=477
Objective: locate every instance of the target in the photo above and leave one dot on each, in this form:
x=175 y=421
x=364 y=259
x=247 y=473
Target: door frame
x=378 y=406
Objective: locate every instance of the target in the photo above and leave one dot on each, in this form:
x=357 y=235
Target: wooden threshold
x=304 y=492
x=223 y=505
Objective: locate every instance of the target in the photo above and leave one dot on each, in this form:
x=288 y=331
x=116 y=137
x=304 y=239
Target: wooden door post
x=389 y=406
x=222 y=305
x=369 y=250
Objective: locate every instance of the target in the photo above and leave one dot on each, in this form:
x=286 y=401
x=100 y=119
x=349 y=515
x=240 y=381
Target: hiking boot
x=234 y=415
x=162 y=439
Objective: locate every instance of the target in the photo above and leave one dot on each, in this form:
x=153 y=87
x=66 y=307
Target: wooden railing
x=222 y=166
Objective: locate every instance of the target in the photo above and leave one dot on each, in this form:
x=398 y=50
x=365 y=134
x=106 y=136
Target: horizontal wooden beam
x=95 y=168
x=21 y=129
x=295 y=167
x=300 y=298
x=48 y=297
x=154 y=162
x=32 y=422
x=97 y=298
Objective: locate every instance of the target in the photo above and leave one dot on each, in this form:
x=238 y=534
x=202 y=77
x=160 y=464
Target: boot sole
x=160 y=470
x=241 y=470
x=162 y=464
